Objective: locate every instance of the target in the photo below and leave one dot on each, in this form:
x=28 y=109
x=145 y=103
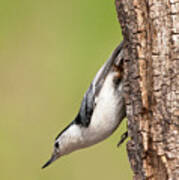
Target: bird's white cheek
x=71 y=140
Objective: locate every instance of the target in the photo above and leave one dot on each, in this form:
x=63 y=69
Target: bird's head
x=55 y=155
x=66 y=142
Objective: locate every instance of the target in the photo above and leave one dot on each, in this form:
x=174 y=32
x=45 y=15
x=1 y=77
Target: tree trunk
x=151 y=64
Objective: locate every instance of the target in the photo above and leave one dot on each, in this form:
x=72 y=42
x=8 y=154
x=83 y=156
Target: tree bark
x=151 y=88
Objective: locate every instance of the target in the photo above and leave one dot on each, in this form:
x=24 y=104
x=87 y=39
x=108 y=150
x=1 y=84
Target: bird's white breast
x=106 y=115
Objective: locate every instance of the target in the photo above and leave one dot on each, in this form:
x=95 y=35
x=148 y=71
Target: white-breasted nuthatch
x=101 y=111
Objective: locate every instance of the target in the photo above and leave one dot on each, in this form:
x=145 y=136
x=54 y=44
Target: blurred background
x=49 y=53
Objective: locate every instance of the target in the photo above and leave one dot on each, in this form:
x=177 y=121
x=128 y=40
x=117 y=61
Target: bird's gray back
x=89 y=101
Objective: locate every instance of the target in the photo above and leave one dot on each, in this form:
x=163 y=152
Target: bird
x=101 y=111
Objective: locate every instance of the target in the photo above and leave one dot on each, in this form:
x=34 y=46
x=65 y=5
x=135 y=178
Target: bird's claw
x=123 y=138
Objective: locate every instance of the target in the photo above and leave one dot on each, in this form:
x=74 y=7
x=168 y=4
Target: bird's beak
x=52 y=159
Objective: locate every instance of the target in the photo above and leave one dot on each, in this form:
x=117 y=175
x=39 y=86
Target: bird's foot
x=123 y=138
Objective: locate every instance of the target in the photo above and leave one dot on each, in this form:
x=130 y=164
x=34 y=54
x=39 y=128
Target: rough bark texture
x=151 y=63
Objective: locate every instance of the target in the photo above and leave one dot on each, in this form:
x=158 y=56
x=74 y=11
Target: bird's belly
x=102 y=128
x=105 y=118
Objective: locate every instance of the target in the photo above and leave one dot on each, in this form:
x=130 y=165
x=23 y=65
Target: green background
x=50 y=50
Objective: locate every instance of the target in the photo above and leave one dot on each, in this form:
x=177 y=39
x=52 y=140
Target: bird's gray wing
x=88 y=103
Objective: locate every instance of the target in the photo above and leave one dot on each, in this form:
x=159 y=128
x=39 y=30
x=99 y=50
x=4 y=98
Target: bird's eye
x=56 y=145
